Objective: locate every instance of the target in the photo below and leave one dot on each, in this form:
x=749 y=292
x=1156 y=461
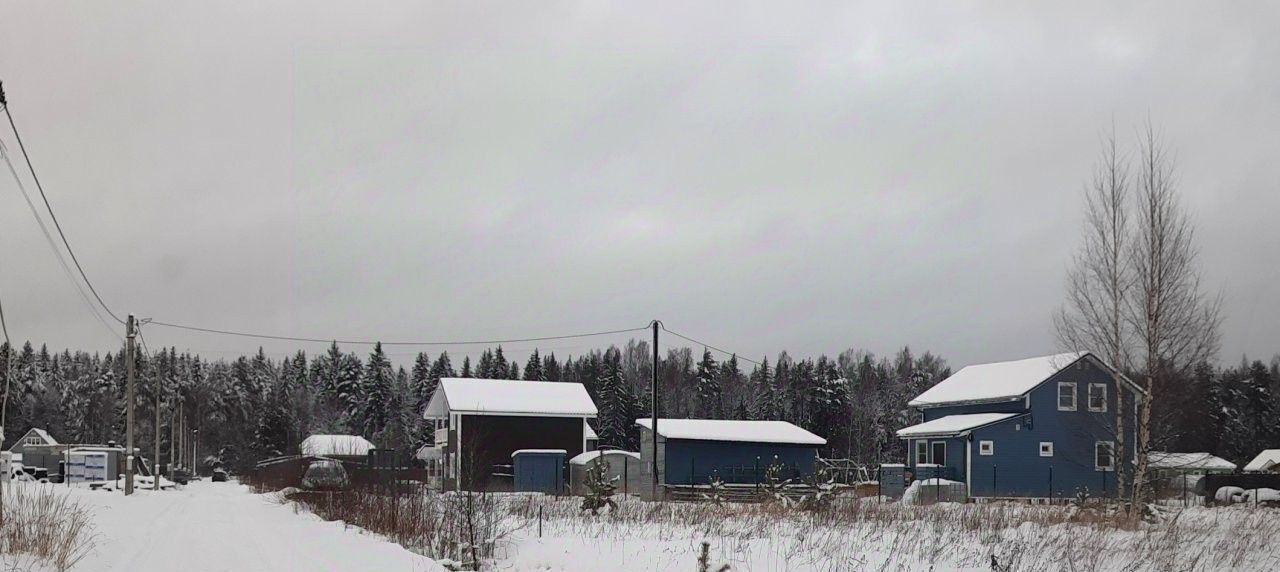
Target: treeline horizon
x=253 y=407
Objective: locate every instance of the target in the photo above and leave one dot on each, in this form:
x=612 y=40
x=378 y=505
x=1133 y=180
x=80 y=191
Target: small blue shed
x=538 y=470
x=693 y=451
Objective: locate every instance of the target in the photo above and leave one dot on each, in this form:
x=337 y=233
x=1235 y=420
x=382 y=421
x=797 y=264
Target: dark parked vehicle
x=324 y=475
x=219 y=476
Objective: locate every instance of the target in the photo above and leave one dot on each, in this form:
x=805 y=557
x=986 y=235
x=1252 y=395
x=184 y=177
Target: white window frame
x=944 y=453
x=922 y=450
x=1046 y=448
x=986 y=448
x=1111 y=455
x=1075 y=396
x=1100 y=387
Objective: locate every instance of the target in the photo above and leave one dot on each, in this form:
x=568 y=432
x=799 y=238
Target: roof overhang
x=959 y=431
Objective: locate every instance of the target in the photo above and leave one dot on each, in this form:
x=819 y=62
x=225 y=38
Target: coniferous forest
x=254 y=407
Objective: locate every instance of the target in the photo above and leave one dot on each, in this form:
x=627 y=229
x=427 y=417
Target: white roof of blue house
x=733 y=430
x=953 y=425
x=1000 y=381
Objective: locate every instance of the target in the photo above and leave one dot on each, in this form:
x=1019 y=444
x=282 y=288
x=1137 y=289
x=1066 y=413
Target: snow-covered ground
x=224 y=526
x=209 y=526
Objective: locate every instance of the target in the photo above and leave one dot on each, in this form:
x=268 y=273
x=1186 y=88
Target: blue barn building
x=692 y=451
x=1044 y=427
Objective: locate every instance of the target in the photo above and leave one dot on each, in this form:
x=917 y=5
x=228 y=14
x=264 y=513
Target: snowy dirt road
x=224 y=527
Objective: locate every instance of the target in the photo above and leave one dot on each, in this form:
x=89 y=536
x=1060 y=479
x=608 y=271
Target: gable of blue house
x=1042 y=450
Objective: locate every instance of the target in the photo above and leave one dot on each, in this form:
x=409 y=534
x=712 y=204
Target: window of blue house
x=939 y=454
x=1066 y=396
x=986 y=448
x=922 y=453
x=1098 y=397
x=1103 y=457
x=1046 y=448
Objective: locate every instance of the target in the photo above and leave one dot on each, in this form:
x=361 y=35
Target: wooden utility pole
x=155 y=464
x=130 y=350
x=655 y=410
x=173 y=439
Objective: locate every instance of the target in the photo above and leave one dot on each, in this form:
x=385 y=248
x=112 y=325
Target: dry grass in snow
x=42 y=527
x=848 y=535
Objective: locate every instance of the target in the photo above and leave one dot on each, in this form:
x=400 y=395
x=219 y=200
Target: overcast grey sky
x=761 y=177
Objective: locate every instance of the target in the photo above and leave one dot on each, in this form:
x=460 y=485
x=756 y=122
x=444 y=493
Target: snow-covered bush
x=822 y=488
x=773 y=486
x=600 y=487
x=715 y=489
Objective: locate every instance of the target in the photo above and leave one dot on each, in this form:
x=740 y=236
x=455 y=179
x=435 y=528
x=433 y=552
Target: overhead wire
x=394 y=343
x=14 y=126
x=58 y=226
x=708 y=346
x=57 y=252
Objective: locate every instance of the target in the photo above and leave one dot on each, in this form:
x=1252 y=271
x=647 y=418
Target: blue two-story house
x=1042 y=427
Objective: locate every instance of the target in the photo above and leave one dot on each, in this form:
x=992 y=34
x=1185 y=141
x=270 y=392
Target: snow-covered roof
x=40 y=433
x=509 y=397
x=1265 y=461
x=539 y=452
x=1189 y=461
x=1004 y=380
x=592 y=455
x=589 y=433
x=339 y=445
x=954 y=424
x=729 y=430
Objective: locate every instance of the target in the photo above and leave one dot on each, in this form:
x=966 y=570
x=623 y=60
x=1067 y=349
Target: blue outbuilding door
x=540 y=471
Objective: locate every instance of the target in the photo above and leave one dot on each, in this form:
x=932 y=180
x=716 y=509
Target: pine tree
x=500 y=367
x=484 y=368
x=377 y=390
x=466 y=366
x=708 y=387
x=442 y=367
x=533 y=368
x=550 y=368
x=764 y=405
x=618 y=403
x=421 y=384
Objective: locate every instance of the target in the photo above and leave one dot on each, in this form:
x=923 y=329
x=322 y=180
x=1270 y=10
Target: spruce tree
x=377 y=393
x=484 y=368
x=500 y=367
x=533 y=368
x=466 y=366
x=442 y=367
x=550 y=368
x=708 y=388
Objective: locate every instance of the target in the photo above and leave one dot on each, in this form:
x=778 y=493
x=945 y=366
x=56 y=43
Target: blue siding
x=733 y=462
x=1016 y=468
x=954 y=465
x=1017 y=406
x=538 y=472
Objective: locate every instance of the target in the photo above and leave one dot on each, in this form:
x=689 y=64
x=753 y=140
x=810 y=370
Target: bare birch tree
x=1134 y=291
x=1174 y=322
x=1100 y=281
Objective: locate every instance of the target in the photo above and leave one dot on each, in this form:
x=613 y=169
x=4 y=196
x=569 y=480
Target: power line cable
x=708 y=346
x=14 y=126
x=395 y=343
x=48 y=237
